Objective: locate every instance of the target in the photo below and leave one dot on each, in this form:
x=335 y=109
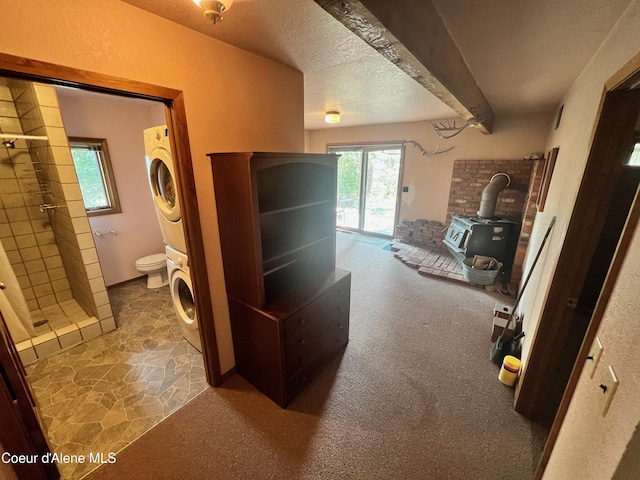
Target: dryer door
x=163 y=184
x=182 y=297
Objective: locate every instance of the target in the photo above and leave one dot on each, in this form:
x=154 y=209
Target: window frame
x=107 y=175
x=366 y=148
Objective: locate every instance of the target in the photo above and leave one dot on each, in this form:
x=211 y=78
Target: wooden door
x=612 y=144
x=20 y=430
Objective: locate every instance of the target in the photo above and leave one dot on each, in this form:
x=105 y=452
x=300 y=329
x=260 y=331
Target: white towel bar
x=111 y=231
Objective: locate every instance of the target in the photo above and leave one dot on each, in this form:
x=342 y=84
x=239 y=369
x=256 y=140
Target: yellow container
x=509 y=371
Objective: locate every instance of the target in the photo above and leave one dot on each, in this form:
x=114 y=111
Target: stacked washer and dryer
x=161 y=172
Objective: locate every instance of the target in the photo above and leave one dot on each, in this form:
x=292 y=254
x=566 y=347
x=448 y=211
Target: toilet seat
x=157 y=260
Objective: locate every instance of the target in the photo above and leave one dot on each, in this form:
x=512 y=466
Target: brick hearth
x=432 y=262
x=470 y=177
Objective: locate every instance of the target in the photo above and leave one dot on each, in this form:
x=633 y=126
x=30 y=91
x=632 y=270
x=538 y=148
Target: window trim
x=109 y=178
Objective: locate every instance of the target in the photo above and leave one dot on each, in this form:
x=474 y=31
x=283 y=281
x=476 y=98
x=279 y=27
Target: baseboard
x=131 y=280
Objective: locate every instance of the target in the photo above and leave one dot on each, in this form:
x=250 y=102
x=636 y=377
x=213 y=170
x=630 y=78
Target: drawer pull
x=339 y=325
x=302 y=341
x=301 y=321
x=341 y=292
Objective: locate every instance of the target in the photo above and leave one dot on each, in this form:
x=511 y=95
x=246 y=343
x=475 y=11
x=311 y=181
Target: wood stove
x=491 y=237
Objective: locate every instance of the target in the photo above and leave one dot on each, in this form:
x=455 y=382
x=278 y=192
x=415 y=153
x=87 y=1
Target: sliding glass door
x=368 y=183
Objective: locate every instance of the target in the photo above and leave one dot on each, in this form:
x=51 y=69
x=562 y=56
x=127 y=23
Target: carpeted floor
x=413 y=396
x=371 y=239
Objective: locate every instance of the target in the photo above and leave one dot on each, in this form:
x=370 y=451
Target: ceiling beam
x=411 y=35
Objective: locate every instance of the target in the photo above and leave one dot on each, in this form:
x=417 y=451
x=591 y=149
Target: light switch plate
x=608 y=388
x=594 y=357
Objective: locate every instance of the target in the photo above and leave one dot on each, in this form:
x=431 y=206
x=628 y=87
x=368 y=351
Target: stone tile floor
x=102 y=395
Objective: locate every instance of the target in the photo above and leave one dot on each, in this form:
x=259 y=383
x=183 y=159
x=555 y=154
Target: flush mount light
x=213 y=8
x=332 y=117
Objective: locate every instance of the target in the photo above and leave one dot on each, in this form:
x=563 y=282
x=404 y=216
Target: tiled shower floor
x=58 y=316
x=103 y=394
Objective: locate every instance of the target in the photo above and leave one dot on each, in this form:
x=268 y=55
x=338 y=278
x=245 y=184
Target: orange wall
x=229 y=94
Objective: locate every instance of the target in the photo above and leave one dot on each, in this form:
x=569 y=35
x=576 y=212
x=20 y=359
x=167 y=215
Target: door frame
x=588 y=216
x=362 y=199
x=38 y=71
x=20 y=423
x=20 y=430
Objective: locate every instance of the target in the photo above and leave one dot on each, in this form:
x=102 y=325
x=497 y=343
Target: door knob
x=2 y=286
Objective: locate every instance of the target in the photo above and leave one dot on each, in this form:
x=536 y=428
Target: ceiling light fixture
x=332 y=117
x=213 y=9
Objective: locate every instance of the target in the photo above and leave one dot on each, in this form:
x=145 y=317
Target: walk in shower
x=52 y=294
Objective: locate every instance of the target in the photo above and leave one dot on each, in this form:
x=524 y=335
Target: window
x=95 y=175
x=368 y=182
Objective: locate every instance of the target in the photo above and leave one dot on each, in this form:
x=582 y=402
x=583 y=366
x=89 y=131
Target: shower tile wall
x=63 y=235
x=25 y=231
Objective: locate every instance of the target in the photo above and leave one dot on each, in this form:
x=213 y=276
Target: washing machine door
x=182 y=297
x=163 y=183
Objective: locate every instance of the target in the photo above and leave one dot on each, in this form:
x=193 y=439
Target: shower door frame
x=34 y=70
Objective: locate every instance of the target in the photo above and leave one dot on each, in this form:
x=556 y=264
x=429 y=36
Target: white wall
x=158 y=116
x=229 y=93
x=138 y=233
x=429 y=177
x=590 y=446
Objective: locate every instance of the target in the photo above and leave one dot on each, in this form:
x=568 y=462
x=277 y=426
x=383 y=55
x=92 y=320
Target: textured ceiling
x=524 y=55
x=341 y=72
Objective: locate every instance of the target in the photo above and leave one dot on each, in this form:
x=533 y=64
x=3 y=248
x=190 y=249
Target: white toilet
x=155 y=267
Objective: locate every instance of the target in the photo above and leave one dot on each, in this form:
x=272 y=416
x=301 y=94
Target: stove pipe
x=498 y=182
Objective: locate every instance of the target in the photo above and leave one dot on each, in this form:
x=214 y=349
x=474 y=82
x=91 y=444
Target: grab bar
x=111 y=231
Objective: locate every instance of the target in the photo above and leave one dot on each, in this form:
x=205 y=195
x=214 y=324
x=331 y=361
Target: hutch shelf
x=289 y=304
